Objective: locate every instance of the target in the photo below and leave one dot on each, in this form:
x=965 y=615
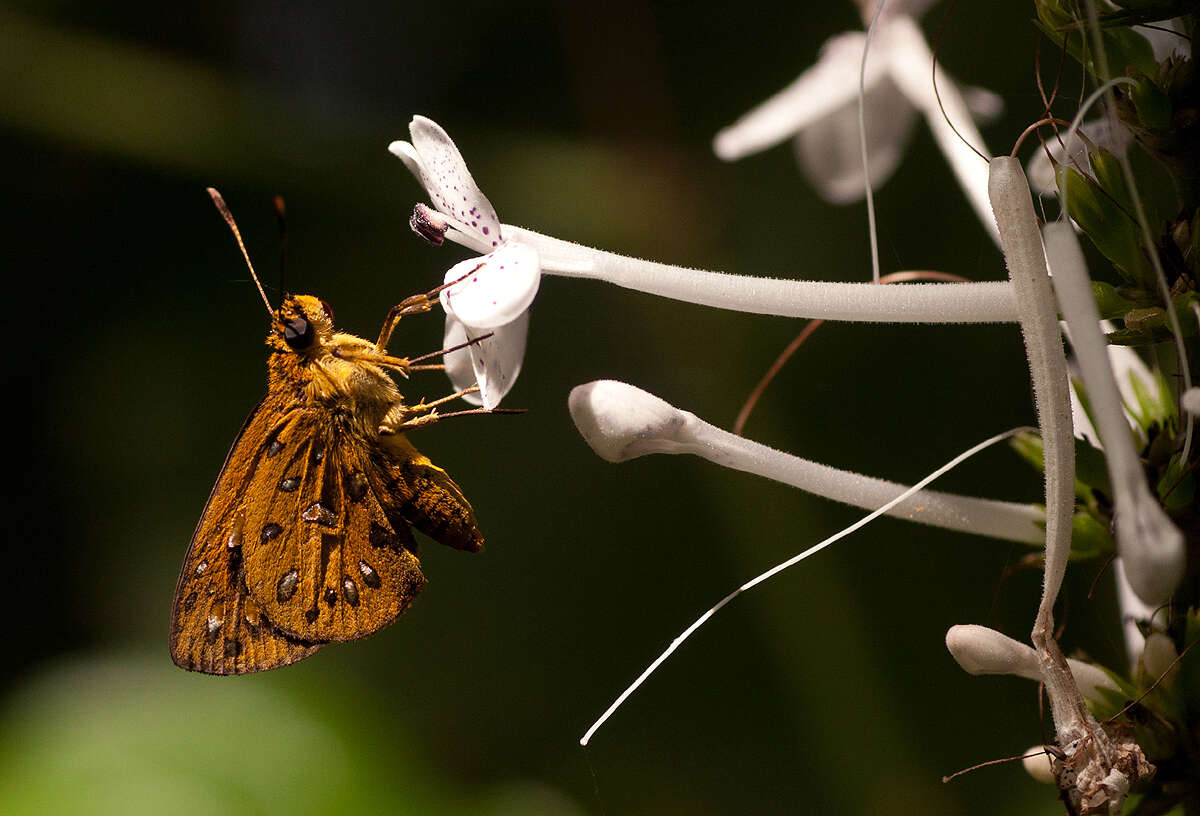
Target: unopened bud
x=1191 y=401
x=622 y=422
x=1037 y=764
x=1158 y=658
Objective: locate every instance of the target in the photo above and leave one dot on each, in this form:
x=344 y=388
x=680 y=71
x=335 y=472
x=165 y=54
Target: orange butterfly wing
x=325 y=558
x=306 y=540
x=216 y=627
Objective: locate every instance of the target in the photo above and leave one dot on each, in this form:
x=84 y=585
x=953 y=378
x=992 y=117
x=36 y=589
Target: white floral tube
x=1151 y=546
x=622 y=422
x=988 y=302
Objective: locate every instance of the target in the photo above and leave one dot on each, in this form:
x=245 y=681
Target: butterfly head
x=302 y=324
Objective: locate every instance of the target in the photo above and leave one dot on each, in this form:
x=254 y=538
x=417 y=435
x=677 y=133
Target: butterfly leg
x=414 y=305
x=401 y=417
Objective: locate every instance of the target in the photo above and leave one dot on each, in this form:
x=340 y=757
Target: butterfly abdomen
x=427 y=498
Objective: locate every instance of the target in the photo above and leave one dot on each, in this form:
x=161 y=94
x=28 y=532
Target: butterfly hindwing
x=325 y=559
x=216 y=627
x=428 y=498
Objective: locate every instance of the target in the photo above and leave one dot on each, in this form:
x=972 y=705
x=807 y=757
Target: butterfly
x=306 y=538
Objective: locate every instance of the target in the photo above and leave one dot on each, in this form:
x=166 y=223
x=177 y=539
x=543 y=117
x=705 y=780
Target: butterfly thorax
x=328 y=370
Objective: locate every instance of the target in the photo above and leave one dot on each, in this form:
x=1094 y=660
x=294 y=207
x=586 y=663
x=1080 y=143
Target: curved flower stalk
x=820 y=109
x=1097 y=769
x=491 y=294
x=1039 y=325
x=1023 y=253
x=622 y=422
x=1150 y=545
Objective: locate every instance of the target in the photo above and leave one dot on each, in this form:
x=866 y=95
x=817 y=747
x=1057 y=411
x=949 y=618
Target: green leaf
x=1153 y=106
x=1091 y=472
x=1177 y=487
x=1110 y=301
x=1090 y=537
x=1106 y=225
x=1152 y=325
x=1124 y=47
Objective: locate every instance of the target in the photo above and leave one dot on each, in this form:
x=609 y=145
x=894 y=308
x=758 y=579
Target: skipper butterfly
x=306 y=536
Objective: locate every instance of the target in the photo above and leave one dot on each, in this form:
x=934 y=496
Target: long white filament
x=862 y=143
x=816 y=548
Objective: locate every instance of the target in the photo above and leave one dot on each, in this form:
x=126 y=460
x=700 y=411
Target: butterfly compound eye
x=298 y=333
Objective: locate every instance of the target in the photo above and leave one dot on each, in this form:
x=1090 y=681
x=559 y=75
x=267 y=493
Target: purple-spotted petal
x=830 y=153
x=495 y=289
x=492 y=363
x=458 y=363
x=436 y=162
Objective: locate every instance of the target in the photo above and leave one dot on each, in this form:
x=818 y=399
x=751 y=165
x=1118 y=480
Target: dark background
x=133 y=346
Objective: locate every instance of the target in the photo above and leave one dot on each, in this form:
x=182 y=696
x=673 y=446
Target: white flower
x=820 y=108
x=489 y=305
x=492 y=299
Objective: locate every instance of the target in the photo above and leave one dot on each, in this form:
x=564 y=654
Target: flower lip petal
x=493 y=363
x=458 y=363
x=829 y=151
x=498 y=287
x=439 y=166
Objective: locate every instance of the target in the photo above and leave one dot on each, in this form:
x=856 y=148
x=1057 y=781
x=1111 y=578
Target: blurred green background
x=136 y=341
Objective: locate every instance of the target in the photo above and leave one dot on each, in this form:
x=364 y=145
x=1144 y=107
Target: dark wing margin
x=216 y=627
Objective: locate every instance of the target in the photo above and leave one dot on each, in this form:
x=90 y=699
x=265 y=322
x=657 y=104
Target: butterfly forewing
x=327 y=561
x=215 y=626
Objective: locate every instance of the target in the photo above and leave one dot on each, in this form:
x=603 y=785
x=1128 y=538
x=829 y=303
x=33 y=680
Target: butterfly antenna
x=281 y=219
x=223 y=208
